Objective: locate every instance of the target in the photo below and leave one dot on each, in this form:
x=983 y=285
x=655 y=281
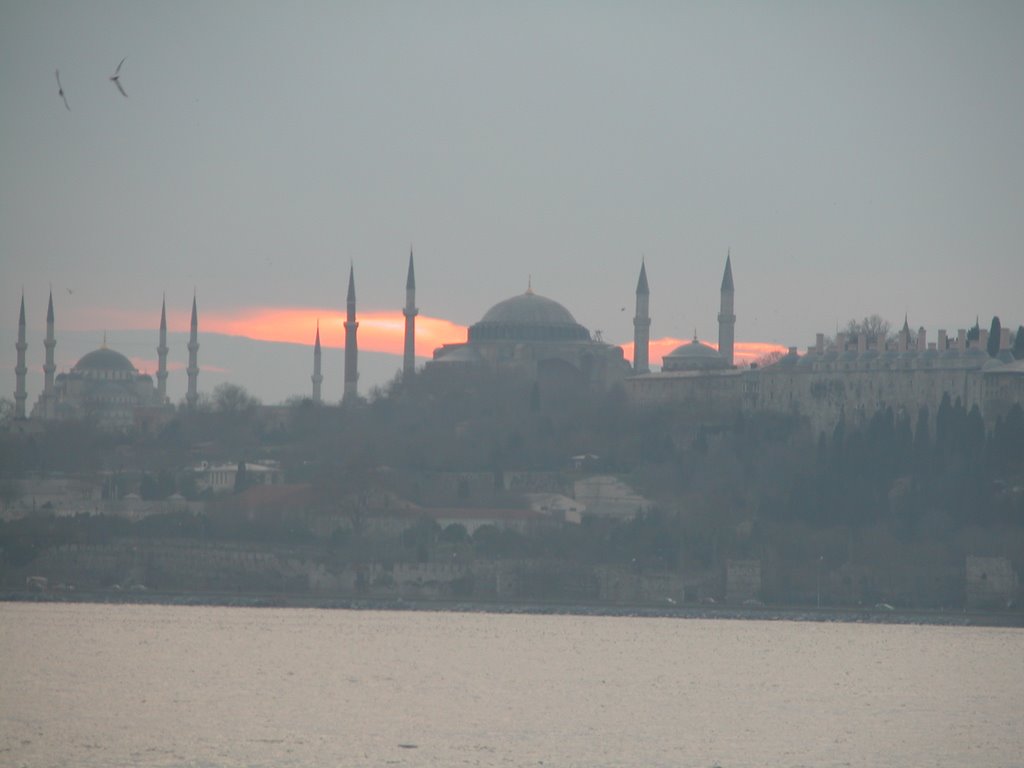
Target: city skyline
x=853 y=159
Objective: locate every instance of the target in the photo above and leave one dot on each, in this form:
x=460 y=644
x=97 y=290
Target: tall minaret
x=642 y=324
x=192 y=397
x=726 y=318
x=351 y=349
x=410 y=312
x=317 y=376
x=20 y=370
x=161 y=351
x=49 y=367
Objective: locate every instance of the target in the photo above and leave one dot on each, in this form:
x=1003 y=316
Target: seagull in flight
x=115 y=78
x=60 y=91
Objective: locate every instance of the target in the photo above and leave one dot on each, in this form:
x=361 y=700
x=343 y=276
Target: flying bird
x=60 y=91
x=116 y=78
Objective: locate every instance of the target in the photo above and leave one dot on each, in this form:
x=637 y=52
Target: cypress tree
x=994 y=333
x=1018 y=343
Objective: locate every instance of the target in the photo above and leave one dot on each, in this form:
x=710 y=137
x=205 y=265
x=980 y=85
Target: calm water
x=100 y=685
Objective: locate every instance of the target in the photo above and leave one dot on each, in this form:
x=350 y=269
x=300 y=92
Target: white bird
x=60 y=91
x=116 y=78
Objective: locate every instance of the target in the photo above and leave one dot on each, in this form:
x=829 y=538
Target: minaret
x=726 y=318
x=20 y=370
x=161 y=351
x=410 y=312
x=49 y=367
x=642 y=324
x=192 y=397
x=317 y=376
x=351 y=349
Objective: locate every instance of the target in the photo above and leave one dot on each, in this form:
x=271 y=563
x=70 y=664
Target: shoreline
x=1003 y=619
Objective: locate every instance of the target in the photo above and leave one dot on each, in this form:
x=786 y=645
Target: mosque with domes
x=537 y=339
x=103 y=387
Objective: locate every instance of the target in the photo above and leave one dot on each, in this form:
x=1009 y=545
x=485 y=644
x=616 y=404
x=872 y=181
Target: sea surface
x=149 y=685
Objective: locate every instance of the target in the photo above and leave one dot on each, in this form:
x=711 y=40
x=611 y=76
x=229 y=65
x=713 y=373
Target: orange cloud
x=378 y=331
x=744 y=352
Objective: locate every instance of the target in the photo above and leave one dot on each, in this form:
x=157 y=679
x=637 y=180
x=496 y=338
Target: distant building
x=536 y=338
x=221 y=478
x=850 y=378
x=103 y=387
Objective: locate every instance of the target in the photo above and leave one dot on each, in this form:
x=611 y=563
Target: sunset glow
x=379 y=331
x=744 y=352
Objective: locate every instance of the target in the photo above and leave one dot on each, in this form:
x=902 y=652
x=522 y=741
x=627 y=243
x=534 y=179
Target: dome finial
x=695 y=339
x=104 y=340
x=529 y=285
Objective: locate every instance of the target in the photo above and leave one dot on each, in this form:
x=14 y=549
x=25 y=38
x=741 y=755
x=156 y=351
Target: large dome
x=104 y=359
x=528 y=317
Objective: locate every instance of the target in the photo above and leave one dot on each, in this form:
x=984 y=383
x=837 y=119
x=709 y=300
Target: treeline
x=899 y=473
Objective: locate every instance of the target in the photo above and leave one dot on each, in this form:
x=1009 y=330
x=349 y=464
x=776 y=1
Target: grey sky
x=855 y=157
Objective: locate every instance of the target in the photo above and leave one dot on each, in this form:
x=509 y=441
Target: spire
x=641 y=284
x=192 y=396
x=317 y=376
x=351 y=345
x=727 y=277
x=410 y=311
x=529 y=285
x=20 y=393
x=726 y=315
x=49 y=367
x=161 y=353
x=642 y=324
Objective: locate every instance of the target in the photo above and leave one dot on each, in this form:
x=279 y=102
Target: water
x=111 y=685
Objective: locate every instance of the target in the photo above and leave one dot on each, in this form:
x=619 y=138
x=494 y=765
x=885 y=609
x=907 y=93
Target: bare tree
x=875 y=327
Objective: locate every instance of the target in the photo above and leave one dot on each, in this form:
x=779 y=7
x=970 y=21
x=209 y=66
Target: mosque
x=103 y=386
x=538 y=339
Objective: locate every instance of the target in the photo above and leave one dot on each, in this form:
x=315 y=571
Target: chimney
x=862 y=343
x=922 y=339
x=1004 y=339
x=819 y=342
x=840 y=342
x=961 y=339
x=943 y=341
x=982 y=342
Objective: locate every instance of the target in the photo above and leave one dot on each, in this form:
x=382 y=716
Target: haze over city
x=853 y=159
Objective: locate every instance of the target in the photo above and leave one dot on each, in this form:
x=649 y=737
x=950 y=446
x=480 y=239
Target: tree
x=233 y=399
x=994 y=332
x=875 y=327
x=6 y=410
x=1018 y=343
x=769 y=358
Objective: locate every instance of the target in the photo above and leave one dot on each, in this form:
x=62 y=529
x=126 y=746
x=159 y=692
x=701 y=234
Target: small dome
x=528 y=317
x=104 y=359
x=693 y=356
